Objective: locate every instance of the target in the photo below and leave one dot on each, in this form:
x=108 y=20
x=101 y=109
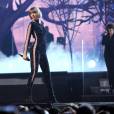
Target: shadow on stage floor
x=68 y=87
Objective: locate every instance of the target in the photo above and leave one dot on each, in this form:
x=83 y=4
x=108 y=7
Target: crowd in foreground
x=82 y=108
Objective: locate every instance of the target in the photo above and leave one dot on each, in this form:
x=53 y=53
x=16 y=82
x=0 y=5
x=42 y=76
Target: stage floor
x=68 y=88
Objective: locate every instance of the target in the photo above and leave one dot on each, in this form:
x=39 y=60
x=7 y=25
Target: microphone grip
x=27 y=59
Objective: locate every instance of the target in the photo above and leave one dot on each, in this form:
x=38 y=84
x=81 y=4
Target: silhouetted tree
x=8 y=17
x=65 y=13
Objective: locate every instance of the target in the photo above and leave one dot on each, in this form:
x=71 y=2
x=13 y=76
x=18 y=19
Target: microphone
x=104 y=33
x=27 y=59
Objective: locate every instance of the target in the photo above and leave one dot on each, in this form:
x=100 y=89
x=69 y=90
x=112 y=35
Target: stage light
x=91 y=64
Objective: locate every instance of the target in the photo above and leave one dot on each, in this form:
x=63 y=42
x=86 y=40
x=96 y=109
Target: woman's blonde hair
x=35 y=10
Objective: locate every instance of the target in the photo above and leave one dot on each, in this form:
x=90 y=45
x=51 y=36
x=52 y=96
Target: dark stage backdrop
x=73 y=36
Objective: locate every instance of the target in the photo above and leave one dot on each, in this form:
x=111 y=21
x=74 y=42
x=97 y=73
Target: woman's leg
x=34 y=59
x=47 y=76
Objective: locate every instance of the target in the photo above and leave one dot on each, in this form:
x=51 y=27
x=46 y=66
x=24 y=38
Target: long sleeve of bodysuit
x=28 y=36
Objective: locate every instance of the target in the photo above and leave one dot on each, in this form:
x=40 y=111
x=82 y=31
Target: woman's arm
x=28 y=36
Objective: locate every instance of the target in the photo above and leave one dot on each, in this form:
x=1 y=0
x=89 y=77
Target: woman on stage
x=37 y=52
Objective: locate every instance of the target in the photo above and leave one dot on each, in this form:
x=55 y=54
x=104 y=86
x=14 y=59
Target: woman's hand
x=24 y=56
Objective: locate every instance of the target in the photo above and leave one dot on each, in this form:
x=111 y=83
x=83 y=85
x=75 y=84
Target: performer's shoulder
x=31 y=22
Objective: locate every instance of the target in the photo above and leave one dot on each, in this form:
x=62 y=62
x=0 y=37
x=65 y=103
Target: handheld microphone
x=104 y=33
x=27 y=59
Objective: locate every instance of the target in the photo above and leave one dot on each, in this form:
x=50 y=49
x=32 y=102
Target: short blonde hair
x=36 y=10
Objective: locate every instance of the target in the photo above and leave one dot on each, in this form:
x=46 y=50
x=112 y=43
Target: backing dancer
x=108 y=43
x=37 y=52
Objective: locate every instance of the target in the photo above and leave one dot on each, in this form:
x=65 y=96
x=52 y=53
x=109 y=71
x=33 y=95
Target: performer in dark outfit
x=108 y=43
x=37 y=52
